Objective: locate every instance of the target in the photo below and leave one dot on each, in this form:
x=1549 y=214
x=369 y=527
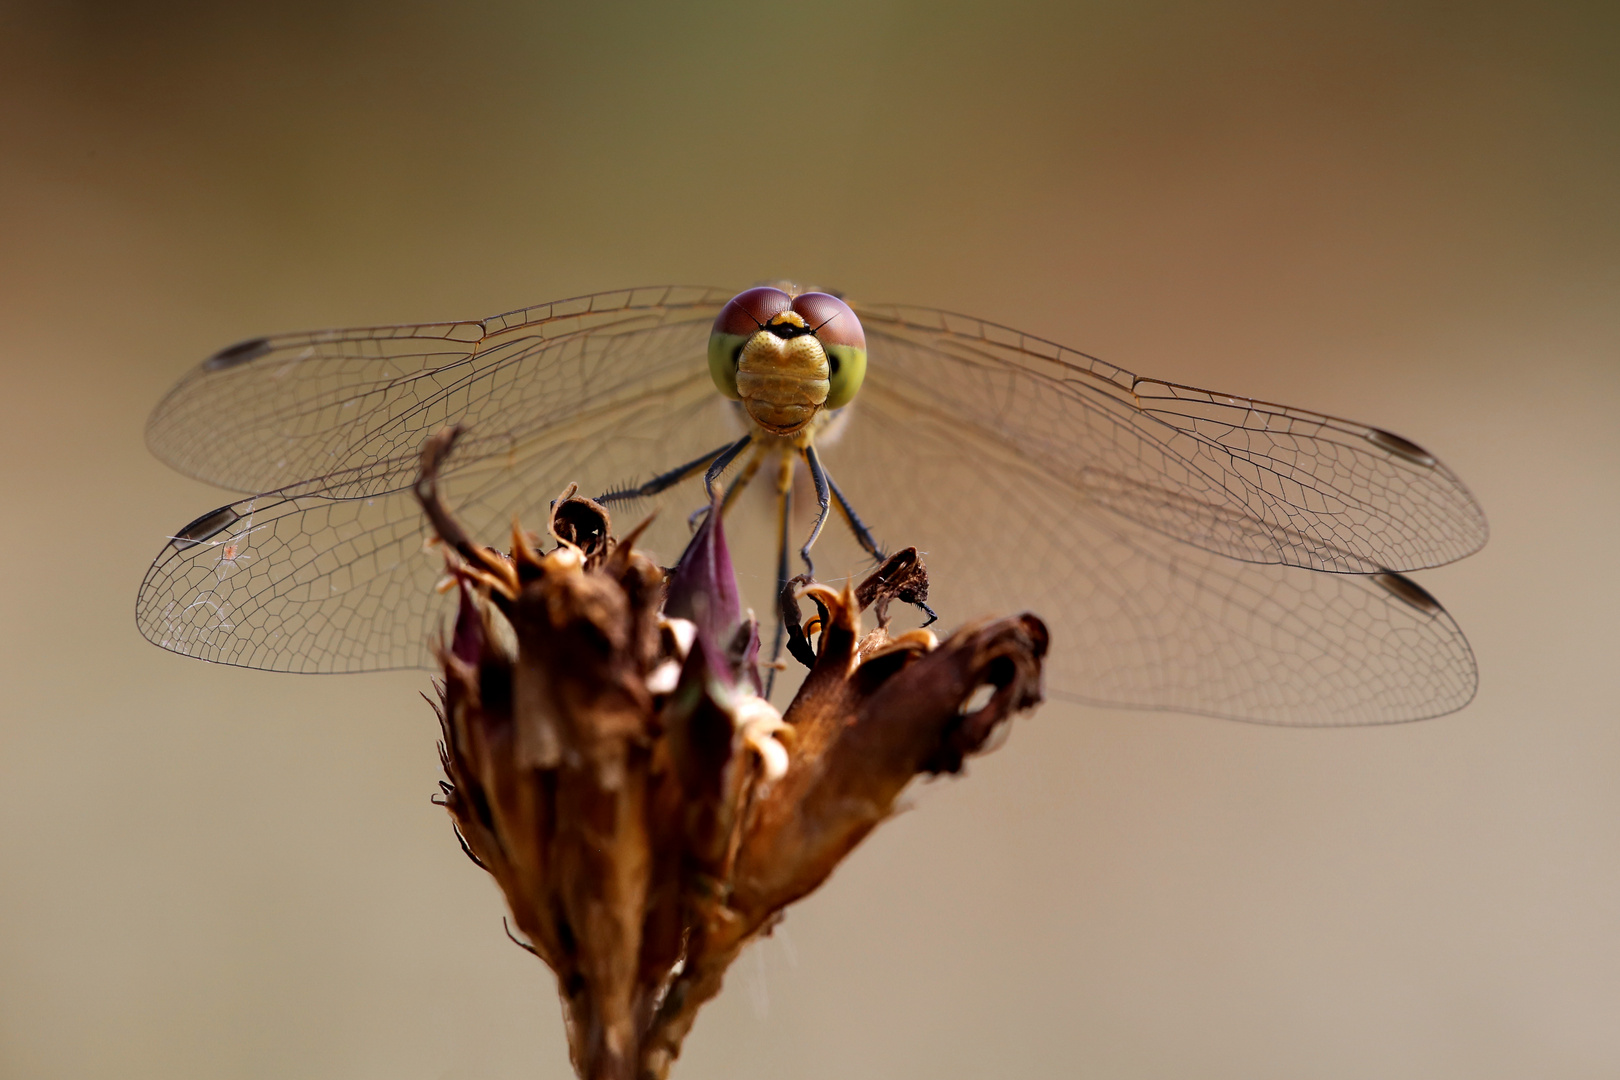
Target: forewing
x=1234 y=476
x=276 y=411
x=309 y=579
x=1138 y=619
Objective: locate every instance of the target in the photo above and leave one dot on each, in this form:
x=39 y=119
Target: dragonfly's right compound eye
x=743 y=316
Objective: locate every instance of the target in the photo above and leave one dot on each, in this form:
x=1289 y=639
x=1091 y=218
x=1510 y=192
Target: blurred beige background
x=1403 y=213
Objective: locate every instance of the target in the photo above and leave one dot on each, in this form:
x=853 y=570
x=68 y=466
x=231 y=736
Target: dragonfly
x=1189 y=550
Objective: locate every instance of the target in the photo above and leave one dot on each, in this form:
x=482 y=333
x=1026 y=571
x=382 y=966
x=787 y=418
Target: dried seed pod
x=611 y=762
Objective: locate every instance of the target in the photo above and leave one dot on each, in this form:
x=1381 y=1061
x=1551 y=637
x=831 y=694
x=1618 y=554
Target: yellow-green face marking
x=785 y=357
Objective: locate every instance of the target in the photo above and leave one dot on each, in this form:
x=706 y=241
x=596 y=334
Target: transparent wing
x=1139 y=619
x=1242 y=478
x=331 y=574
x=1034 y=477
x=275 y=411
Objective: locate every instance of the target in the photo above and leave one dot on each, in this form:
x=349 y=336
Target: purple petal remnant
x=703 y=585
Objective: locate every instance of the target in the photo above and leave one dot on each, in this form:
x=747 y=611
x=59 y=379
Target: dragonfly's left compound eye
x=840 y=334
x=743 y=316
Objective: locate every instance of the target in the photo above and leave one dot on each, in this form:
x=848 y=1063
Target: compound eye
x=830 y=319
x=840 y=334
x=749 y=311
x=743 y=316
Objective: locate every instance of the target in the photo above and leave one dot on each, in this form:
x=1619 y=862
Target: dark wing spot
x=1404 y=588
x=240 y=353
x=1405 y=448
x=210 y=524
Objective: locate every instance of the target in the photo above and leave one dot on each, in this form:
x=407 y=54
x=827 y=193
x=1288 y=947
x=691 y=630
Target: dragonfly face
x=1189 y=550
x=786 y=357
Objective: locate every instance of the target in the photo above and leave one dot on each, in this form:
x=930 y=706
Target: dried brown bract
x=646 y=812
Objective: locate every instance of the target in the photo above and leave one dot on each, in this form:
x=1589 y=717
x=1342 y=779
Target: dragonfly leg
x=755 y=460
x=819 y=476
x=663 y=481
x=784 y=508
x=863 y=535
x=718 y=465
x=734 y=489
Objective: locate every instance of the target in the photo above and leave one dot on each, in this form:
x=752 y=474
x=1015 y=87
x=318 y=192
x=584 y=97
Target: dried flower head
x=612 y=763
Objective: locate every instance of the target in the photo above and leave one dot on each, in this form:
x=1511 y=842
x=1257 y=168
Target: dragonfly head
x=787 y=357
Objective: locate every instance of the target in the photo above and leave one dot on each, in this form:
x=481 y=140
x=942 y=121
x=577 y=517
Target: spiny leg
x=755 y=459
x=734 y=488
x=784 y=506
x=819 y=476
x=718 y=466
x=863 y=535
x=663 y=481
